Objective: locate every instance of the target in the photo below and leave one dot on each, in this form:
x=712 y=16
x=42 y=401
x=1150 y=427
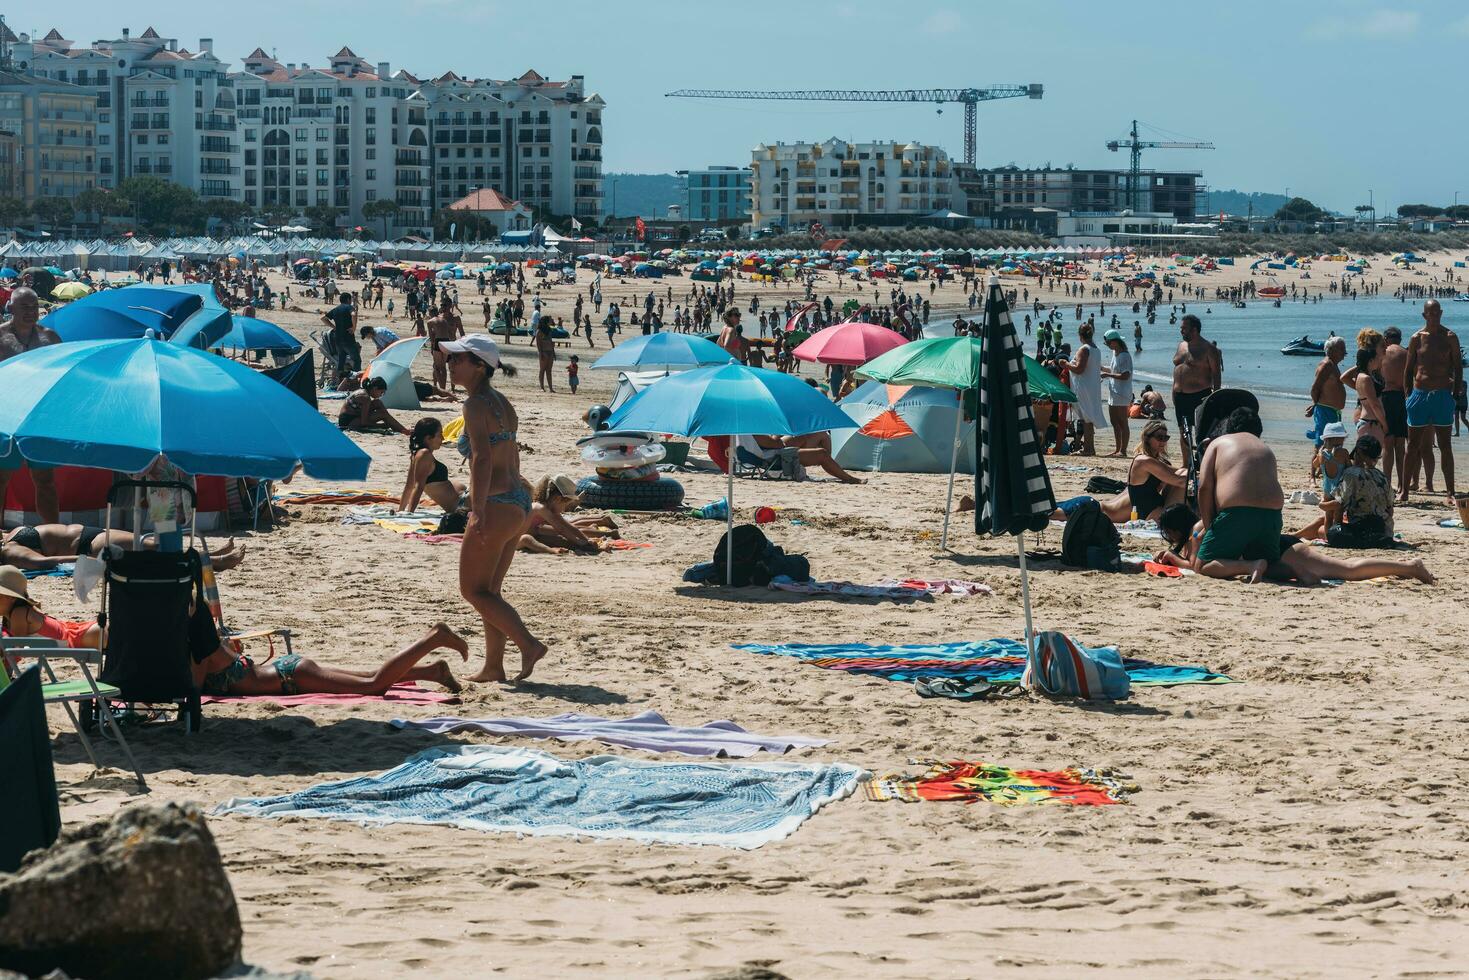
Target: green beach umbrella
x=955 y=362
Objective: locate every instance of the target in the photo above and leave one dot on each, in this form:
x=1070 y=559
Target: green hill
x=1240 y=202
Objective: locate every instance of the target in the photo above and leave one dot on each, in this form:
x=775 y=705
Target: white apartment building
x=339 y=135
x=161 y=109
x=342 y=133
x=531 y=139
x=841 y=184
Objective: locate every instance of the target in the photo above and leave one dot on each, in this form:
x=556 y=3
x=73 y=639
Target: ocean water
x=1250 y=340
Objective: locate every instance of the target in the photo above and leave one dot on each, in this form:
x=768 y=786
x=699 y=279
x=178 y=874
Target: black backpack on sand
x=756 y=559
x=1090 y=539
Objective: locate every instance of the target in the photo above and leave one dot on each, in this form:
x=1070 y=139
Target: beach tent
x=904 y=429
x=394 y=365
x=629 y=383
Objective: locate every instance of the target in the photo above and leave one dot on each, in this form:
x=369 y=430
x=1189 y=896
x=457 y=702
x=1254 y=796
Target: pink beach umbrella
x=849 y=343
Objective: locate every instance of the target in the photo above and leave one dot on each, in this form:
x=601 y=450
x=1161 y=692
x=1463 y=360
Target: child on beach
x=1329 y=463
x=571 y=372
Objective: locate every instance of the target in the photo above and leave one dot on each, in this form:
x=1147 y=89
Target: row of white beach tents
x=99 y=255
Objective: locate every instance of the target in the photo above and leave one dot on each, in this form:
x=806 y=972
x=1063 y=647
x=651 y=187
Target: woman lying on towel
x=1298 y=561
x=224 y=672
x=550 y=532
x=44 y=546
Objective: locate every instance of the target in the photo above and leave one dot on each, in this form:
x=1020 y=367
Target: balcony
x=589 y=194
x=216 y=188
x=216 y=124
x=588 y=173
x=217 y=168
x=68 y=115
x=412 y=180
x=585 y=155
x=217 y=144
x=408 y=158
x=71 y=141
x=144 y=102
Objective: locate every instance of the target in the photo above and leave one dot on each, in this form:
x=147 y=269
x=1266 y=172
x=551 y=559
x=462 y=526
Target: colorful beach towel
x=514 y=790
x=970 y=782
x=995 y=661
x=335 y=495
x=1137 y=529
x=405 y=693
x=425 y=520
x=649 y=731
x=939 y=586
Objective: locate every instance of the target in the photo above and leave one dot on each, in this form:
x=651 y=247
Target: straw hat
x=13 y=584
x=564 y=485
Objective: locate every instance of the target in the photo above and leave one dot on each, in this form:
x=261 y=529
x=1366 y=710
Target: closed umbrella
x=730 y=400
x=663 y=352
x=955 y=362
x=120 y=404
x=1012 y=487
x=850 y=343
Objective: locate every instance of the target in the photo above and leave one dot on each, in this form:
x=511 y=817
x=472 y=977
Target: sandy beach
x=1299 y=823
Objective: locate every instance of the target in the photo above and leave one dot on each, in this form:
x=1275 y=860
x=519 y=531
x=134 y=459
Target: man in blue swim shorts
x=1436 y=367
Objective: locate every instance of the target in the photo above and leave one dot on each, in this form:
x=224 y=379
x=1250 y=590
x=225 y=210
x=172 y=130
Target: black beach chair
x=1208 y=424
x=152 y=604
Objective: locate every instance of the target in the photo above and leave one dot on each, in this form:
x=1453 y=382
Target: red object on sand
x=764 y=515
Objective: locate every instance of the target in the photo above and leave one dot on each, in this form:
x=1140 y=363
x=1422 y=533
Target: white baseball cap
x=478 y=344
x=1333 y=430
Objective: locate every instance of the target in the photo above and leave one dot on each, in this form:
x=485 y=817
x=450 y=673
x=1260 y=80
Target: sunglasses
x=1163 y=438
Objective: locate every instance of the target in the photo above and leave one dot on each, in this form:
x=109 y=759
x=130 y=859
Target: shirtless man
x=729 y=337
x=1328 y=394
x=448 y=325
x=21 y=333
x=45 y=546
x=1239 y=502
x=1435 y=366
x=1198 y=371
x=1394 y=403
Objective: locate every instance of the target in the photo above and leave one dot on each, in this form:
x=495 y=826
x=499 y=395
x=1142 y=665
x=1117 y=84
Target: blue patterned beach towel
x=495 y=788
x=994 y=661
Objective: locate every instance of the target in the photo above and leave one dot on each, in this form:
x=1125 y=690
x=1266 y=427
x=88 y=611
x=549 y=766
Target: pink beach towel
x=407 y=693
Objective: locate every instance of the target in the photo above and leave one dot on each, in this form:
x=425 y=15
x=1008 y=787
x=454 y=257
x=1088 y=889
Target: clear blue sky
x=1328 y=99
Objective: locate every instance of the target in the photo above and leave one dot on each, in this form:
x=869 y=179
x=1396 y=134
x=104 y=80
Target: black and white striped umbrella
x=1013 y=490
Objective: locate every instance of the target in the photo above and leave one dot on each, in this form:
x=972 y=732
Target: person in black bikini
x=1161 y=483
x=426 y=473
x=45 y=546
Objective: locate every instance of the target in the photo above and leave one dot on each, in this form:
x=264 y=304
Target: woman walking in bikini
x=499 y=503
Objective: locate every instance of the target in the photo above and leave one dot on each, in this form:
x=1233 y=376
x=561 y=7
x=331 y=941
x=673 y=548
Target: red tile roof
x=487 y=199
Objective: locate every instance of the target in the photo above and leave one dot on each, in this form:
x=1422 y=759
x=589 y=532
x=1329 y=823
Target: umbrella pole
x=953 y=468
x=1025 y=592
x=729 y=519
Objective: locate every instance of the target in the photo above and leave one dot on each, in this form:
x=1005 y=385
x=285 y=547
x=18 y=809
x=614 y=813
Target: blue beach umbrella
x=251 y=334
x=120 y=404
x=123 y=314
x=730 y=400
x=663 y=352
x=205 y=329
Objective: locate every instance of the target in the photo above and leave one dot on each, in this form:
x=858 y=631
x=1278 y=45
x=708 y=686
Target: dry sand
x=1302 y=823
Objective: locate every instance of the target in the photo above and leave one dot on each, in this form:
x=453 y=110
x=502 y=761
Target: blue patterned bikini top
x=495 y=437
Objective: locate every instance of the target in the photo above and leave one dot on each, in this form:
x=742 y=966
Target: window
x=251 y=135
x=371 y=174
x=370 y=136
x=300 y=156
x=371 y=194
x=371 y=153
x=323 y=95
x=371 y=116
x=162 y=139
x=323 y=177
x=250 y=157
x=372 y=91
x=322 y=135
x=545 y=151
x=525 y=151
x=142 y=139
x=301 y=134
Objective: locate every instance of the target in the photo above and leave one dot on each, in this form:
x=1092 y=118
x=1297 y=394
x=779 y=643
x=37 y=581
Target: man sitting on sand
x=1240 y=500
x=812 y=449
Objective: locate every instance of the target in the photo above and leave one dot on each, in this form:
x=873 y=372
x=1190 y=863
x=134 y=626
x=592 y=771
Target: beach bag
x=749 y=546
x=1090 y=539
x=1059 y=667
x=790 y=464
x=1368 y=531
x=1104 y=485
x=456 y=522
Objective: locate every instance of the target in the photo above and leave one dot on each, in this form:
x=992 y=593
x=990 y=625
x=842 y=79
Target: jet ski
x=1303 y=347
